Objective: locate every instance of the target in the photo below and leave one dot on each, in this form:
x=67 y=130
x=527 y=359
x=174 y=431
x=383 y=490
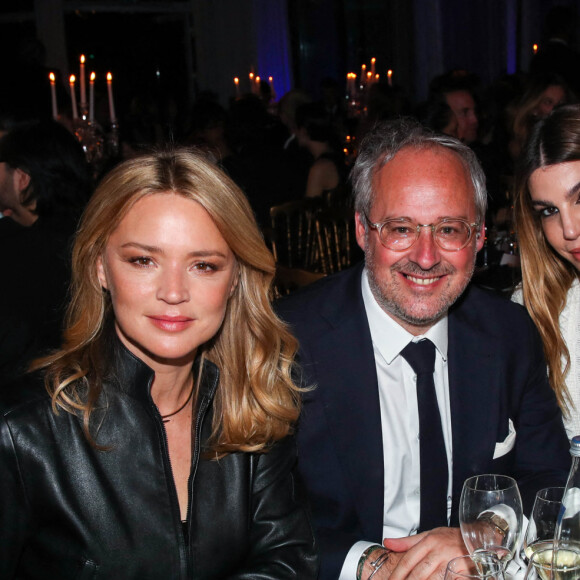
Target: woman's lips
x=171 y=323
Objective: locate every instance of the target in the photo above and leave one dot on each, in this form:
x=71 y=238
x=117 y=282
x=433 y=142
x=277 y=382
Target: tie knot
x=421 y=356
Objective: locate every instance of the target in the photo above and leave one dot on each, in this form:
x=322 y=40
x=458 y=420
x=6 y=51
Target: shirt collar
x=389 y=336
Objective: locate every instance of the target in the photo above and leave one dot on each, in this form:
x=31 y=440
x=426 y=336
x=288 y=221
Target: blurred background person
x=45 y=183
x=542 y=94
x=316 y=134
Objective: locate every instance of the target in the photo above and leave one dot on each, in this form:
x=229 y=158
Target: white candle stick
x=111 y=103
x=92 y=97
x=83 y=85
x=53 y=95
x=73 y=97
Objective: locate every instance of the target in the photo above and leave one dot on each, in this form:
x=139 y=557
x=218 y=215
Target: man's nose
x=425 y=252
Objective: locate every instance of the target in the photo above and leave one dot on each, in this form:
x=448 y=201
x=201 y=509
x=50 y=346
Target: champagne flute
x=478 y=566
x=549 y=564
x=542 y=525
x=490 y=515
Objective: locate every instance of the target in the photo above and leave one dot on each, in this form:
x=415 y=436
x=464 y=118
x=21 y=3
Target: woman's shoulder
x=26 y=392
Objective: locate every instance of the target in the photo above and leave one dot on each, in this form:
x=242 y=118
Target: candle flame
x=93 y=77
x=364 y=67
x=270 y=79
x=373 y=60
x=535 y=47
x=52 y=77
x=236 y=80
x=369 y=74
x=251 y=76
x=257 y=79
x=82 y=59
x=109 y=77
x=389 y=73
x=72 y=79
x=377 y=76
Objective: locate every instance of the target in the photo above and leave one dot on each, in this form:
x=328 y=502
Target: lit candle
x=363 y=73
x=535 y=48
x=92 y=97
x=273 y=92
x=237 y=83
x=53 y=95
x=369 y=78
x=258 y=79
x=83 y=86
x=252 y=84
x=377 y=78
x=373 y=61
x=390 y=77
x=73 y=97
x=111 y=103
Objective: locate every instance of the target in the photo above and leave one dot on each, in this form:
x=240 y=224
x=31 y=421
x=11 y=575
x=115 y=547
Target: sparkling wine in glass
x=490 y=515
x=549 y=564
x=542 y=525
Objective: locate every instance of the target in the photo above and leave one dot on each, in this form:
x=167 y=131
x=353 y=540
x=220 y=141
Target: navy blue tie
x=434 y=471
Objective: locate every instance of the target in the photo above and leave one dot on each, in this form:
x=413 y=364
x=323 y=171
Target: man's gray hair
x=386 y=139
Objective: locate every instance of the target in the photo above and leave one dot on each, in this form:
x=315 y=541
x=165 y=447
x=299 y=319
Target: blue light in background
x=273 y=44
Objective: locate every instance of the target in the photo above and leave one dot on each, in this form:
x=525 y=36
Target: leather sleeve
x=282 y=537
x=14 y=508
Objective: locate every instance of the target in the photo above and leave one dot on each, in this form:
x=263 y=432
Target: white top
x=570 y=328
x=400 y=422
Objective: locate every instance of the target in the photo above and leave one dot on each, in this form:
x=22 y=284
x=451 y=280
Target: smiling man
x=384 y=444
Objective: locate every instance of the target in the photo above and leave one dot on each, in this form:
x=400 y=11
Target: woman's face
x=552 y=97
x=170 y=274
x=555 y=193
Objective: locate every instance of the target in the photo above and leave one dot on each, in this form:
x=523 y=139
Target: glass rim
x=489 y=558
x=540 y=494
x=509 y=482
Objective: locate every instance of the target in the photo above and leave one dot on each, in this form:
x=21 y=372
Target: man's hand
x=424 y=556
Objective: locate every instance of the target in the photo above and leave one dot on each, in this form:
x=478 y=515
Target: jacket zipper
x=184 y=547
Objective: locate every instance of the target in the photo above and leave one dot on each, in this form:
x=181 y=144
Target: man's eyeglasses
x=399 y=234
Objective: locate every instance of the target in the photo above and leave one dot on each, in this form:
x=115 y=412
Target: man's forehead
x=421 y=165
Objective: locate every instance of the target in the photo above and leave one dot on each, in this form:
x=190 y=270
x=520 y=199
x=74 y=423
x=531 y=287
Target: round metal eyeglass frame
x=435 y=228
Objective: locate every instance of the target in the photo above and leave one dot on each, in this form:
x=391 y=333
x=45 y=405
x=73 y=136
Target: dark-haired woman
x=547 y=212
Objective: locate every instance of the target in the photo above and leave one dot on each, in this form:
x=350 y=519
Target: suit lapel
x=473 y=394
x=345 y=363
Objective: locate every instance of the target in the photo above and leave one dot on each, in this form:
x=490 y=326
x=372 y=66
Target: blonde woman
x=157 y=443
x=547 y=210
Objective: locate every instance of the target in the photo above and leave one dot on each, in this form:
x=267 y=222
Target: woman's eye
x=141 y=261
x=204 y=267
x=548 y=211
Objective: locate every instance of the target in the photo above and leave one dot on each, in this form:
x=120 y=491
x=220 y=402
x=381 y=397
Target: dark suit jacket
x=497 y=372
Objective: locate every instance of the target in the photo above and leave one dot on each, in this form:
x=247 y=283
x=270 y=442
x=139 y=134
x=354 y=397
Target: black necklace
x=166 y=417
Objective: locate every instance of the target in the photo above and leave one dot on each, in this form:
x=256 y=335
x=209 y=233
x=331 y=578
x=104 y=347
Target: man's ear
x=359 y=224
x=21 y=180
x=480 y=237
x=101 y=273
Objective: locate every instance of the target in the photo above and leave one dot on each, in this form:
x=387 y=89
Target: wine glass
x=490 y=515
x=547 y=564
x=479 y=566
x=542 y=525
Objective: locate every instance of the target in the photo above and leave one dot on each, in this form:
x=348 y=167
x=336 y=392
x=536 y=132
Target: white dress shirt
x=400 y=422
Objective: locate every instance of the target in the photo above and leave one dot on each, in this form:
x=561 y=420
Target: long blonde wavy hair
x=256 y=402
x=546 y=276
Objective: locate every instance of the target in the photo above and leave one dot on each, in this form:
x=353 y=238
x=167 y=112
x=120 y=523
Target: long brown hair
x=546 y=276
x=257 y=401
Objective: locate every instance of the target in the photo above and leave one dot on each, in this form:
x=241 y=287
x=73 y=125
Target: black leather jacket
x=68 y=510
